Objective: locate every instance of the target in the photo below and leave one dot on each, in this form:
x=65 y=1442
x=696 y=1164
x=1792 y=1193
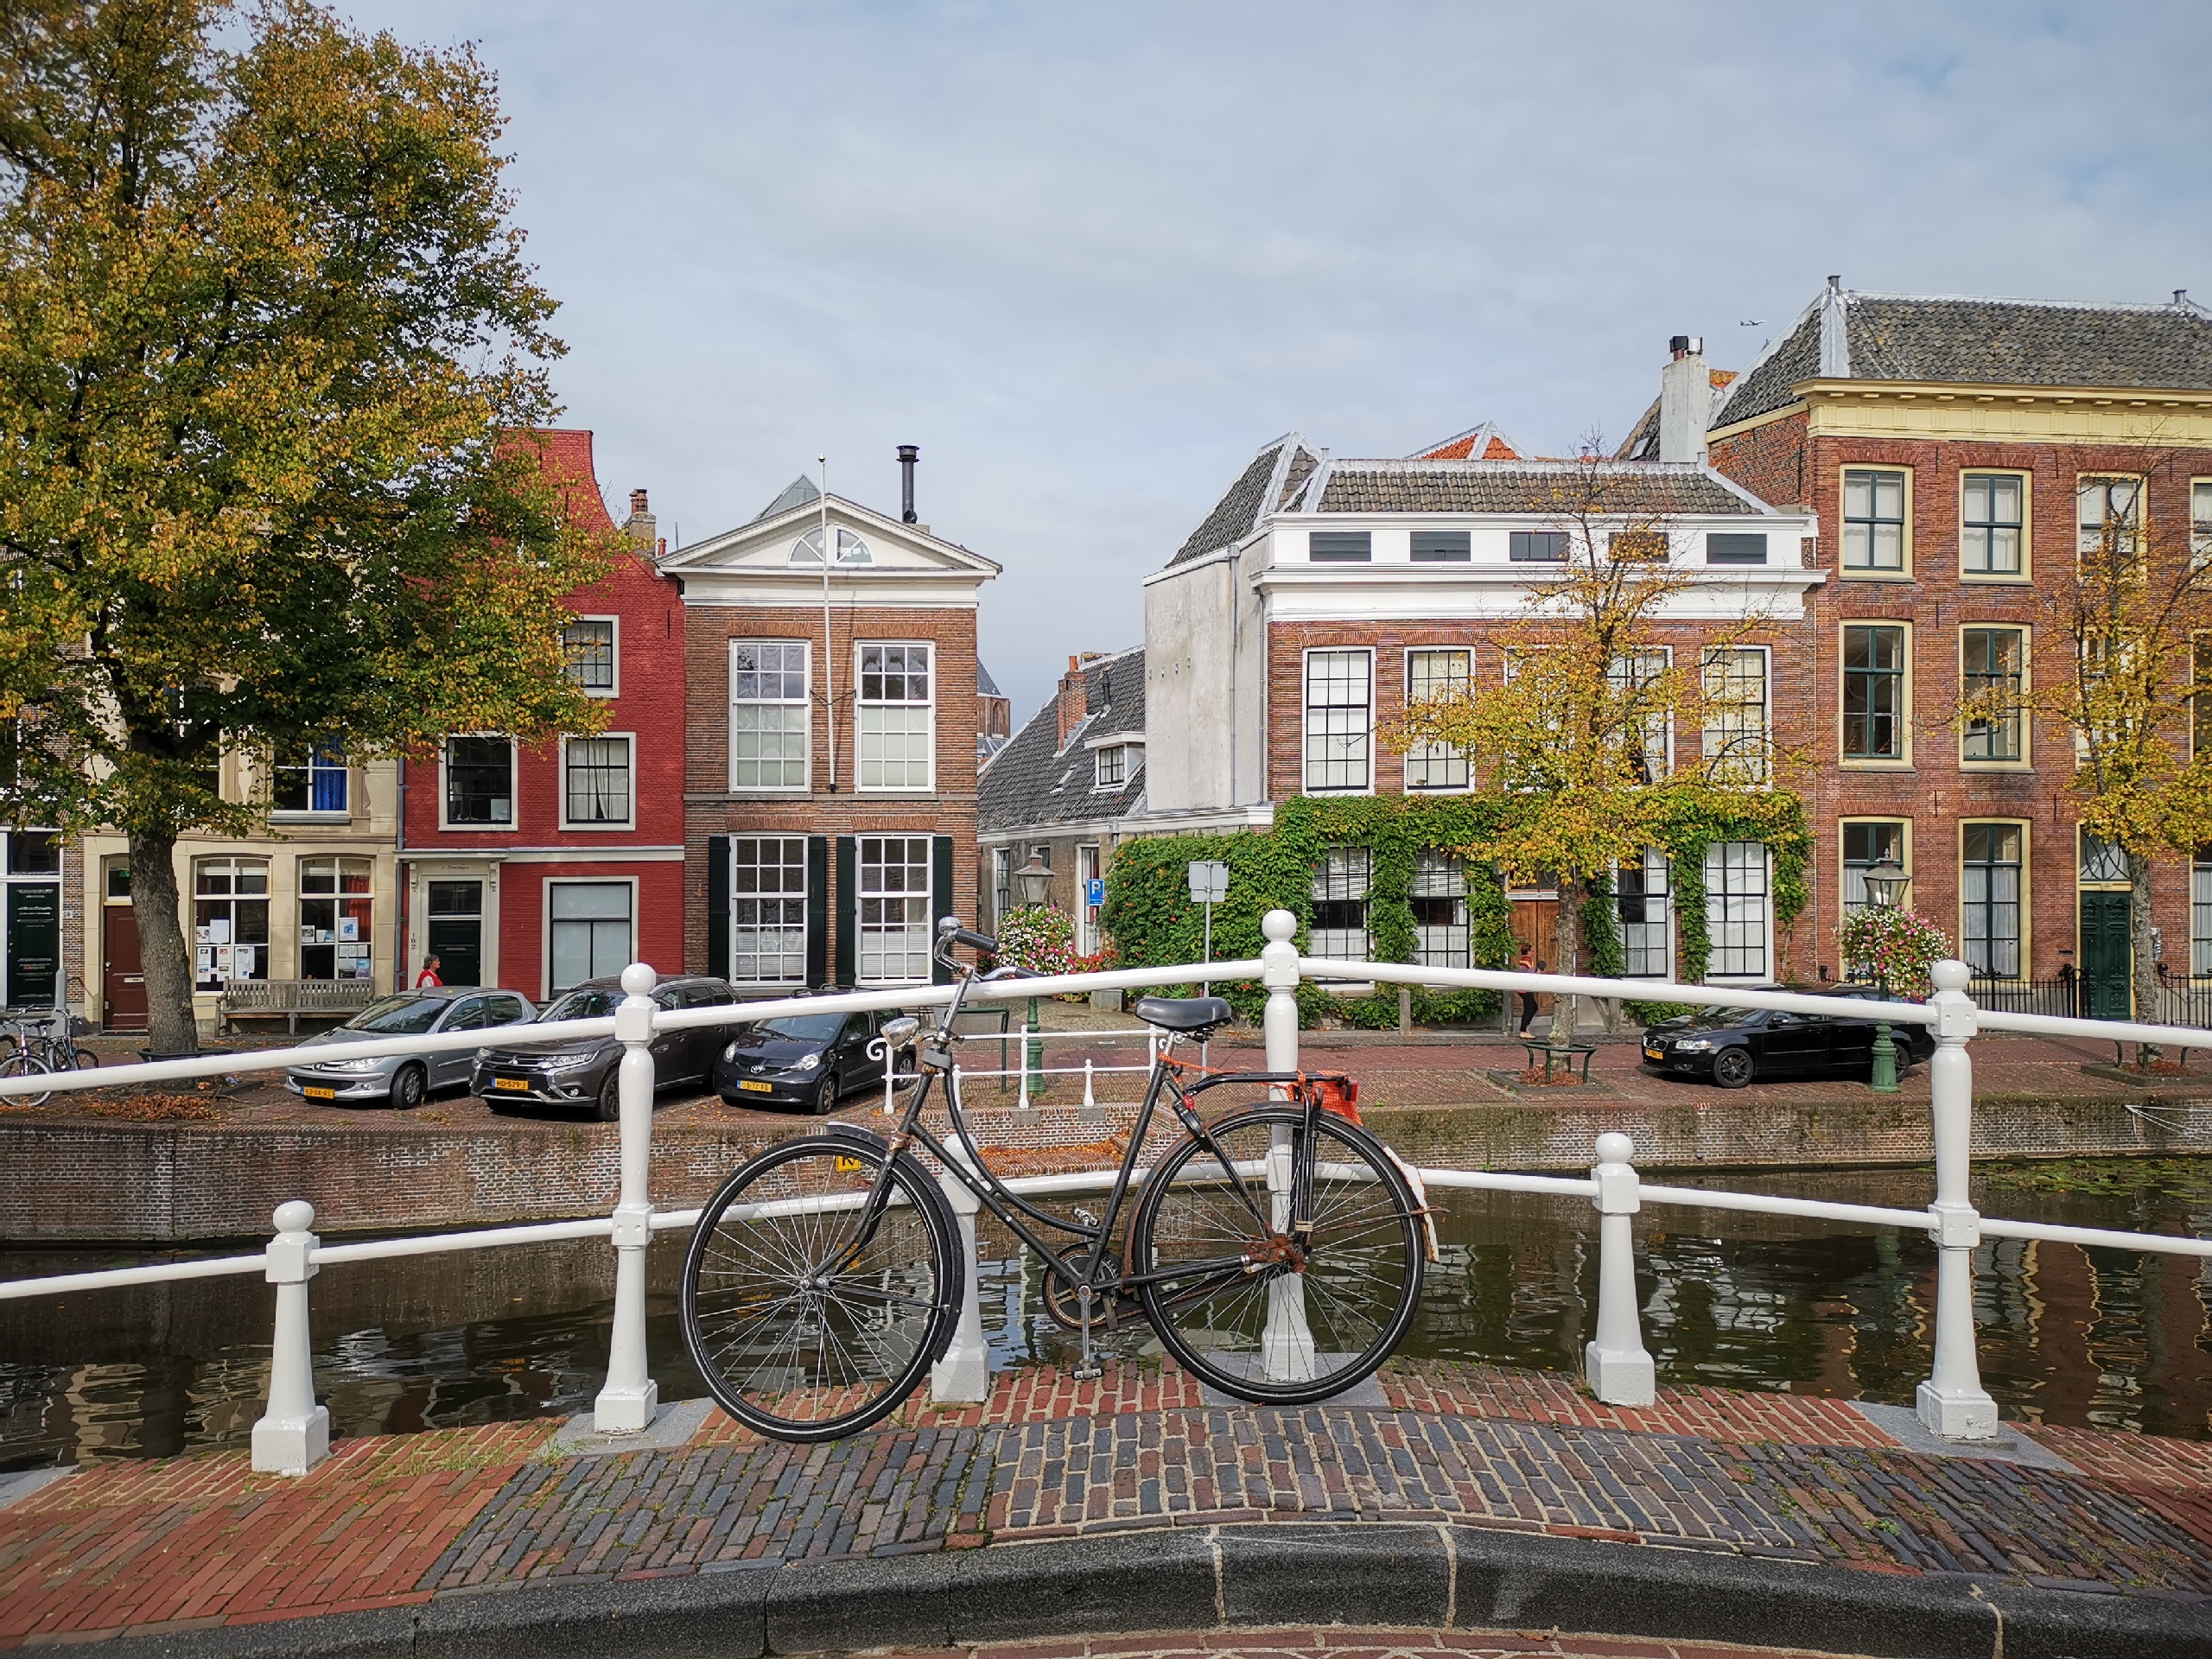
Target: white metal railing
x=293 y=1433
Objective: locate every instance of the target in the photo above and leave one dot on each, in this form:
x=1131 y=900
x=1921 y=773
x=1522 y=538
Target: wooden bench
x=1538 y=1048
x=289 y=999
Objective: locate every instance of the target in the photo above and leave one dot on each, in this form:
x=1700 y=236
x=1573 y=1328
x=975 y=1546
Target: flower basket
x=1895 y=948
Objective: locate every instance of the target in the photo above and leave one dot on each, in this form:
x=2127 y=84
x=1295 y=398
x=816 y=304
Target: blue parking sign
x=1094 y=891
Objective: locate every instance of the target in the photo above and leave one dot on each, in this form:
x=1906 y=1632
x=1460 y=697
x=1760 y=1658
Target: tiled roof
x=1848 y=335
x=1238 y=512
x=1484 y=442
x=1033 y=782
x=1493 y=486
x=796 y=493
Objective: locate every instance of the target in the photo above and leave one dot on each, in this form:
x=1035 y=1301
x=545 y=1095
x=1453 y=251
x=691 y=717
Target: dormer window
x=1113 y=767
x=851 y=550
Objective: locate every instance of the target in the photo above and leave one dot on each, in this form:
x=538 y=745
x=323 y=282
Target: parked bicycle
x=1277 y=1248
x=39 y=1044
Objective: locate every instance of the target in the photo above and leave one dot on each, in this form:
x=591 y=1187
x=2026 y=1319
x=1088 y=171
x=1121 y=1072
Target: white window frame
x=1653 y=856
x=1309 y=736
x=2086 y=541
x=545 y=919
x=514 y=791
x=1089 y=859
x=1648 y=665
x=614 y=649
x=803 y=702
x=1764 y=777
x=1441 y=944
x=1759 y=914
x=802 y=897
x=629 y=821
x=1346 y=865
x=1430 y=755
x=861 y=707
x=2200 y=523
x=311 y=814
x=860 y=897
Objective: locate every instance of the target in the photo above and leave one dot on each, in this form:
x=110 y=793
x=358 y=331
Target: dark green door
x=2104 y=956
x=34 y=943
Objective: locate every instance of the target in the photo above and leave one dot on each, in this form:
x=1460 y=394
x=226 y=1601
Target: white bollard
x=1614 y=1364
x=1287 y=1347
x=963 y=1376
x=1090 y=1098
x=1952 y=1401
x=627 y=1404
x=293 y=1433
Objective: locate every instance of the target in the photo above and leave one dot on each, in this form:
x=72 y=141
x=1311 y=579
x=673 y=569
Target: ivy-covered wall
x=1150 y=919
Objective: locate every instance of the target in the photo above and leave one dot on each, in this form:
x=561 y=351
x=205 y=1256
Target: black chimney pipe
x=908 y=455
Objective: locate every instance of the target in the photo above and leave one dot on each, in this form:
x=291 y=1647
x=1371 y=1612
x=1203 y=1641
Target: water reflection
x=2111 y=1339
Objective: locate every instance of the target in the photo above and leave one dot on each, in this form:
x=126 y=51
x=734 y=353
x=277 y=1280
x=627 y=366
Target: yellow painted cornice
x=1996 y=414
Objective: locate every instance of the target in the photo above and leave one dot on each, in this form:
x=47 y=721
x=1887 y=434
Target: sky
x=1090 y=258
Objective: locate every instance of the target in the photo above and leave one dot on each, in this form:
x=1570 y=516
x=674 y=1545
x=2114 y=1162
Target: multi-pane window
x=1641 y=890
x=2200 y=523
x=1736 y=713
x=479 y=782
x=894 y=909
x=309 y=780
x=851 y=550
x=1430 y=675
x=595 y=782
x=1990 y=898
x=1735 y=906
x=2200 y=914
x=1991 y=522
x=2108 y=516
x=1112 y=767
x=1536 y=546
x=1340 y=717
x=1866 y=842
x=767 y=715
x=1340 y=887
x=2200 y=700
x=1873 y=693
x=1654 y=760
x=1439 y=897
x=897 y=727
x=1002 y=881
x=335 y=915
x=767 y=910
x=230 y=921
x=588 y=643
x=1873 y=520
x=591 y=923
x=1994 y=661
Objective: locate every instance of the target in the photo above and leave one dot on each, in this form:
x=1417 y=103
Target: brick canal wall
x=74 y=1181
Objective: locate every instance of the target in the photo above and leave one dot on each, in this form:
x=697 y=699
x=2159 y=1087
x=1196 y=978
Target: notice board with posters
x=34 y=948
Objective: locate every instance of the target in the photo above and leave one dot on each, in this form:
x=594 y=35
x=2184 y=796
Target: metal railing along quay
x=293 y=1433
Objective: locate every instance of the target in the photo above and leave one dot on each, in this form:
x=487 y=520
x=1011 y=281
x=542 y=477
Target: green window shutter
x=718 y=906
x=818 y=910
x=940 y=898
x=849 y=910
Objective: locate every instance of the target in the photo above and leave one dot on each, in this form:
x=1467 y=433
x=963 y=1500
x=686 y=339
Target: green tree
x=269 y=348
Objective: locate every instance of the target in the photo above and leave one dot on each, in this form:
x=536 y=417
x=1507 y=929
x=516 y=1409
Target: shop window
x=767 y=931
x=1873 y=522
x=1641 y=890
x=1340 y=717
x=308 y=780
x=894 y=909
x=1439 y=898
x=768 y=732
x=1735 y=908
x=588 y=645
x=334 y=918
x=1431 y=675
x=1990 y=899
x=897 y=725
x=1995 y=660
x=230 y=921
x=1873 y=694
x=595 y=783
x=479 y=783
x=1340 y=887
x=1992 y=523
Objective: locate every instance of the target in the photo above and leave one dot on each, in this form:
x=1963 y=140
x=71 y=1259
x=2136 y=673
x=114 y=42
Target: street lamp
x=1033 y=885
x=1886 y=883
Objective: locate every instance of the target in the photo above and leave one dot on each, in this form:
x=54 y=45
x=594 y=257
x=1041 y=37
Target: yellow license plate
x=314 y=1093
x=847 y=1166
x=752 y=1088
x=518 y=1083
x=1654 y=1053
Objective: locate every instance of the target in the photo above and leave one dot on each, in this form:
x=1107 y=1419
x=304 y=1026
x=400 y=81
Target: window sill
x=335 y=816
x=599 y=828
x=1852 y=765
x=1874 y=575
x=1984 y=579
x=476 y=829
x=2024 y=768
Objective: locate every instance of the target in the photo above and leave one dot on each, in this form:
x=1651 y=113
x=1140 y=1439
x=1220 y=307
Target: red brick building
x=832 y=716
x=1954 y=453
x=537 y=867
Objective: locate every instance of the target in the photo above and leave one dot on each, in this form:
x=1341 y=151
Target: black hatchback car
x=582 y=1073
x=1732 y=1047
x=806 y=1060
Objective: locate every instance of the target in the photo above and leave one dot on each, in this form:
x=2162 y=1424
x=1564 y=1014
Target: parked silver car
x=402 y=1080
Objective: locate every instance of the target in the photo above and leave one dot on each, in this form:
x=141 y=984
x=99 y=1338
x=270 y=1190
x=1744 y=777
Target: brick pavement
x=1343 y=1642
x=391 y=1522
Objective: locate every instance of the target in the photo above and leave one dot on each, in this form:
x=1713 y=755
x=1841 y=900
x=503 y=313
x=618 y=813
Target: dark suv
x=582 y=1073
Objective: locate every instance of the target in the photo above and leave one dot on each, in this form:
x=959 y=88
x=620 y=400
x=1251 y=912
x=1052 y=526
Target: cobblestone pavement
x=196 y=1541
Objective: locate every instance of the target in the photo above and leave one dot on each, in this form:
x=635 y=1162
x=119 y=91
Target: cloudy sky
x=1091 y=258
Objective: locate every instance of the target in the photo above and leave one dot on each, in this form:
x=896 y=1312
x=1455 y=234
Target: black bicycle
x=1277 y=1249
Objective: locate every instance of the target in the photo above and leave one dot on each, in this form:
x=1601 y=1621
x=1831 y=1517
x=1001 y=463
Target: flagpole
x=828 y=663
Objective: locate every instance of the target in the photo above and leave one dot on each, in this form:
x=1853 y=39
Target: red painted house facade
x=537 y=867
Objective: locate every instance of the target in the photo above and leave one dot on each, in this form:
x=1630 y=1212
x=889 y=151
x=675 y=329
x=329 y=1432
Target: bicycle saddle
x=1184 y=1013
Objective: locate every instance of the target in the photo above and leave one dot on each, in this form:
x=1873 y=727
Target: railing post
x=631 y=1397
x=293 y=1433
x=1286 y=1349
x=1614 y=1364
x=1952 y=1401
x=963 y=1376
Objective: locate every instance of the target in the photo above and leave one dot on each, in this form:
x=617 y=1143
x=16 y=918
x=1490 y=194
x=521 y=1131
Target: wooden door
x=1535 y=923
x=123 y=979
x=2105 y=966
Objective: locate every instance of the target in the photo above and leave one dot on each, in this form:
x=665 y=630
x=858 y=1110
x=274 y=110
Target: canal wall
x=71 y=1180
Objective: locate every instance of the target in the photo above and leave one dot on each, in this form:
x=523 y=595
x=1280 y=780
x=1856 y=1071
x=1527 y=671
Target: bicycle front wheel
x=807 y=1317
x=1291 y=1273
x=24 y=1066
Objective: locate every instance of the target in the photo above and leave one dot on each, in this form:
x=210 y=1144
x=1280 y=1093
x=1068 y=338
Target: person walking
x=1527 y=963
x=428 y=976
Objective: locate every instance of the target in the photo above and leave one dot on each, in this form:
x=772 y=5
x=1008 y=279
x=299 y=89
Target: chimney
x=639 y=529
x=1685 y=401
x=1075 y=700
x=908 y=455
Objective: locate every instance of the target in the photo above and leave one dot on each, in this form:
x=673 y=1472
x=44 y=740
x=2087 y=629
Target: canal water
x=2110 y=1338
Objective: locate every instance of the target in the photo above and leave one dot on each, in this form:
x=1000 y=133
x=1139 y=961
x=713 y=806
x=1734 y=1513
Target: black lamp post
x=1033 y=885
x=1886 y=883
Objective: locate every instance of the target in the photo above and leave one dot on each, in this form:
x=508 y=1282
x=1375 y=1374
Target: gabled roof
x=1642 y=441
x=761 y=548
x=1269 y=483
x=1484 y=442
x=1034 y=781
x=985 y=686
x=564 y=456
x=1609 y=487
x=1949 y=340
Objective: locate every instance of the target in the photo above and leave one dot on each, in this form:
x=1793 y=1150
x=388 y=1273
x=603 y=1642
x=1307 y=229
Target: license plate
x=1654 y=1053
x=314 y=1093
x=751 y=1088
x=519 y=1084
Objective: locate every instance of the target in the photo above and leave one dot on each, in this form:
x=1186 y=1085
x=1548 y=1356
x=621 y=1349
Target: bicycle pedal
x=1088 y=1371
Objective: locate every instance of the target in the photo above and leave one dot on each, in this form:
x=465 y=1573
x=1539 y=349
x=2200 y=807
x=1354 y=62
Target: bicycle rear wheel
x=1277 y=1307
x=806 y=1322
x=24 y=1066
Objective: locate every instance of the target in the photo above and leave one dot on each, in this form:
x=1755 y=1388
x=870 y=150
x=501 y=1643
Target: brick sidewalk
x=1339 y=1643
x=200 y=1541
